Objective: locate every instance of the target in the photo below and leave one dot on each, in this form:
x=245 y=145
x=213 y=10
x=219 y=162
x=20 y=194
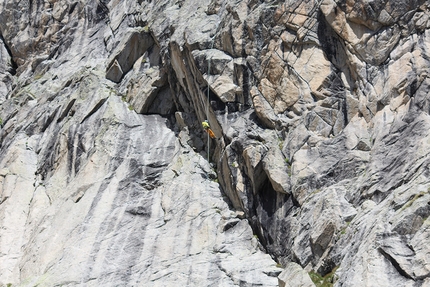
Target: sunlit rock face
x=320 y=166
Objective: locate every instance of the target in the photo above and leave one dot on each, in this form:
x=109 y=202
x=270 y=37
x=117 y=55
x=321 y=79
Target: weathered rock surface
x=322 y=118
x=294 y=275
x=100 y=195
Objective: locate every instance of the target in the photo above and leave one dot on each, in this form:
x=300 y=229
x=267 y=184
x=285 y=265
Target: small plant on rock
x=343 y=230
x=324 y=281
x=234 y=164
x=280 y=143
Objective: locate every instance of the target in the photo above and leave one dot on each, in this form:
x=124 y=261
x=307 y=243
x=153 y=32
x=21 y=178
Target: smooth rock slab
x=294 y=275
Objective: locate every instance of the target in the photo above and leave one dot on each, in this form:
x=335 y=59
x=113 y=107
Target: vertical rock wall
x=321 y=113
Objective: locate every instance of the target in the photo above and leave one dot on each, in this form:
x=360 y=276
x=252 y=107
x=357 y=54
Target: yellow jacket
x=205 y=125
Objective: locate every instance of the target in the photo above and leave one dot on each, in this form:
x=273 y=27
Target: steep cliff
x=320 y=168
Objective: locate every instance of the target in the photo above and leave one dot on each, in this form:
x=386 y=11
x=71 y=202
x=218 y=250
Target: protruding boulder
x=127 y=52
x=294 y=275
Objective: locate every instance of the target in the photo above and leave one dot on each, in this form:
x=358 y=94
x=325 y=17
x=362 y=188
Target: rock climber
x=207 y=128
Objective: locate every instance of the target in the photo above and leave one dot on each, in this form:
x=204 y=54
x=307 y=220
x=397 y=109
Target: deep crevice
x=395 y=263
x=49 y=120
x=66 y=110
x=95 y=109
x=264 y=207
x=14 y=66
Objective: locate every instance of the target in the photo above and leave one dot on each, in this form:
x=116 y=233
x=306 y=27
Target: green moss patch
x=323 y=281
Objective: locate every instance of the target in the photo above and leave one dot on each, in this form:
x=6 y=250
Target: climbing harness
x=208 y=129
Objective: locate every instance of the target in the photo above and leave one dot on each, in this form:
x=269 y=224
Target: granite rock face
x=320 y=165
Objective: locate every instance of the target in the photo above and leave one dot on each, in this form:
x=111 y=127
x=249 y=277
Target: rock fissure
x=13 y=66
x=395 y=264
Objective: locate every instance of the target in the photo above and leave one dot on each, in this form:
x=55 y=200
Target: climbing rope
x=207 y=106
x=209 y=131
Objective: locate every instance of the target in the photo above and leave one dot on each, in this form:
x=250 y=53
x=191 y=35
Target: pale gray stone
x=320 y=160
x=294 y=275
